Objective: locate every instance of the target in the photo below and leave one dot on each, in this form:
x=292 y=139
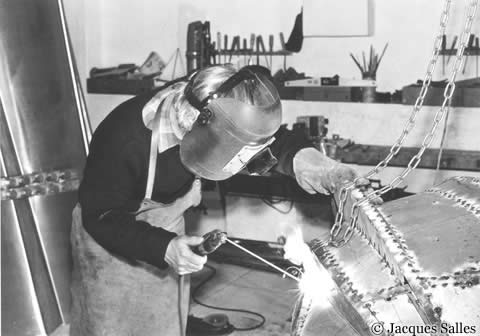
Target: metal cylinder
x=44 y=130
x=199 y=53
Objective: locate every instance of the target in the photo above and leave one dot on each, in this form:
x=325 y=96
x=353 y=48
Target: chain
x=346 y=189
x=447 y=94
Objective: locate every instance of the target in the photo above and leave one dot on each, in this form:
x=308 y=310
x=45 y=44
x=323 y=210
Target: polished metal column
x=44 y=134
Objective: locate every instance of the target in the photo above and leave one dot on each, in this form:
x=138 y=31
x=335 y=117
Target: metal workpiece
x=44 y=133
x=442 y=235
x=365 y=282
x=412 y=261
x=463 y=190
x=39 y=184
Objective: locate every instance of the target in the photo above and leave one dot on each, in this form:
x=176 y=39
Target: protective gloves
x=317 y=173
x=181 y=258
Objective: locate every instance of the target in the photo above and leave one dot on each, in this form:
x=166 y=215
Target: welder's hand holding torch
x=179 y=254
x=317 y=173
x=181 y=258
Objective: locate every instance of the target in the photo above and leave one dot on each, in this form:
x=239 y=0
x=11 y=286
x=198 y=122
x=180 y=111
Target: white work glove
x=317 y=173
x=181 y=258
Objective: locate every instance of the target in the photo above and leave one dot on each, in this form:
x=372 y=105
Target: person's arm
x=286 y=145
x=314 y=171
x=109 y=195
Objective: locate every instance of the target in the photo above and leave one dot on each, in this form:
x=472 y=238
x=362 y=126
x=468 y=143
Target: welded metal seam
x=423 y=285
x=464 y=278
x=39 y=184
x=39 y=189
x=388 y=242
x=468 y=179
x=321 y=250
x=299 y=322
x=470 y=205
x=402 y=262
x=9 y=182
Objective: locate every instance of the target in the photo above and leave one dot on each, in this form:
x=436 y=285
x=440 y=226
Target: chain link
x=347 y=188
x=447 y=94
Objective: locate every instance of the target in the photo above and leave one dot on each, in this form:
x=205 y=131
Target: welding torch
x=214 y=239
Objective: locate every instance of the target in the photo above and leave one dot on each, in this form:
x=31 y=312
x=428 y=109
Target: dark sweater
x=115 y=179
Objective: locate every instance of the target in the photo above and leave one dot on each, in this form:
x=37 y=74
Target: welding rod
x=263 y=260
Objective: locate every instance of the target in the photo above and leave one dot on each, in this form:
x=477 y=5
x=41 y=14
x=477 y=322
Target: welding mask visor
x=235 y=126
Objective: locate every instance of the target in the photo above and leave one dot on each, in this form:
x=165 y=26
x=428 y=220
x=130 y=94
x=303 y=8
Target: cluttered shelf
x=294 y=86
x=130 y=79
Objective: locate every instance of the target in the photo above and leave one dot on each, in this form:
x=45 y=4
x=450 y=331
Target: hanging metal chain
x=447 y=95
x=346 y=189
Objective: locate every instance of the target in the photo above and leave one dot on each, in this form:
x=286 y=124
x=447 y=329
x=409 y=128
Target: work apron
x=114 y=296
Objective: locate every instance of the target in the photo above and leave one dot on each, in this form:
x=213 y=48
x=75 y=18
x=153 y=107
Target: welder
x=131 y=257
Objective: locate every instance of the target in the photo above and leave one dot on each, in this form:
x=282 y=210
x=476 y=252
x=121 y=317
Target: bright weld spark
x=263 y=260
x=315 y=282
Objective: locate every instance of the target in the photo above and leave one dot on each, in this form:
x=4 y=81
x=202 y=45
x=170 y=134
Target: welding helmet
x=235 y=126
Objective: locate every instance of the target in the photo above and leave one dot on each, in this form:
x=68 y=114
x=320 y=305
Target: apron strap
x=152 y=163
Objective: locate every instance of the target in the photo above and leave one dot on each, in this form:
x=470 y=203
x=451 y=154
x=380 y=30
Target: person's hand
x=317 y=173
x=181 y=258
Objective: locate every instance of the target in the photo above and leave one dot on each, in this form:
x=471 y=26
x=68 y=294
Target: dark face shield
x=235 y=126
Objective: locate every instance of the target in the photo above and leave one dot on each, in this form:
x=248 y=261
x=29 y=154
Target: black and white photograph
x=240 y=167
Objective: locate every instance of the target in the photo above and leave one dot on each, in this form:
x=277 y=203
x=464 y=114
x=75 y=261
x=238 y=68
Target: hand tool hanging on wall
x=225 y=47
x=270 y=48
x=207 y=45
x=252 y=46
x=219 y=47
x=235 y=47
x=282 y=44
x=469 y=48
x=245 y=50
x=452 y=47
x=444 y=49
x=199 y=48
x=261 y=50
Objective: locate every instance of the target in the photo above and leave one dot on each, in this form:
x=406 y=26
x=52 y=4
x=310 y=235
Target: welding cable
x=210 y=277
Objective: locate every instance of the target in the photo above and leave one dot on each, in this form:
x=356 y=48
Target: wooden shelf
x=452 y=159
x=453 y=52
x=251 y=52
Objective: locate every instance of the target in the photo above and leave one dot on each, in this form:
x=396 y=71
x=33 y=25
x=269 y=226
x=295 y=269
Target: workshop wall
x=110 y=32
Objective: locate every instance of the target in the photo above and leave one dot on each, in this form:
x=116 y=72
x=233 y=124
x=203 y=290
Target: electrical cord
x=210 y=277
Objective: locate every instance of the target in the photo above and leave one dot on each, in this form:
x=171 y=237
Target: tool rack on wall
x=472 y=49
